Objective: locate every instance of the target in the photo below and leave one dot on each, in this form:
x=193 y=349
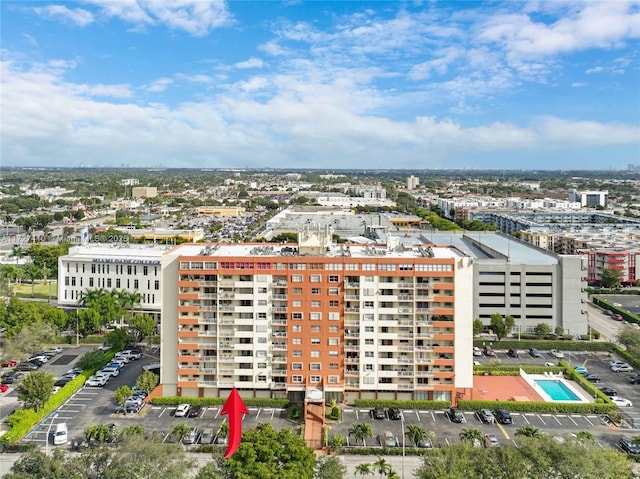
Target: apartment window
x=333 y=341
x=368 y=267
x=315 y=304
x=368 y=354
x=406 y=267
x=368 y=380
x=297 y=303
x=262 y=379
x=296 y=379
x=315 y=316
x=73 y=280
x=145 y=271
x=297 y=340
x=314 y=379
x=296 y=316
x=352 y=266
x=297 y=290
x=315 y=265
x=334 y=291
x=333 y=366
x=368 y=304
x=333 y=379
x=368 y=367
x=90 y=282
x=333 y=354
x=136 y=284
x=387 y=267
x=93 y=268
x=315 y=354
x=297 y=353
x=296 y=278
x=262 y=316
x=297 y=329
x=333 y=329
x=334 y=304
x=262 y=365
x=314 y=366
x=334 y=316
x=315 y=290
x=296 y=366
x=315 y=329
x=315 y=340
x=314 y=278
x=368 y=329
x=334 y=278
x=334 y=266
x=368 y=342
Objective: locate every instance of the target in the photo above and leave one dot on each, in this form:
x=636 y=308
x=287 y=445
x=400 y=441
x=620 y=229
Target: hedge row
x=255 y=402
x=514 y=370
x=633 y=360
x=23 y=420
x=627 y=315
x=382 y=451
x=370 y=403
x=530 y=406
x=542 y=345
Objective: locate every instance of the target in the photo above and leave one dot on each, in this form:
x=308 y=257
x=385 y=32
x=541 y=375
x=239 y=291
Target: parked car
x=490 y=440
x=607 y=312
x=191 y=437
x=377 y=413
x=487 y=416
x=55 y=349
x=113 y=371
x=9 y=363
x=387 y=439
x=194 y=411
x=616 y=362
x=503 y=416
x=182 y=410
x=581 y=370
x=206 y=436
x=9 y=380
x=132 y=353
x=617 y=317
x=96 y=381
x=394 y=414
x=594 y=378
x=629 y=446
x=477 y=351
x=608 y=391
x=635 y=379
x=623 y=368
x=621 y=402
x=513 y=353
x=455 y=415
x=534 y=353
x=27 y=366
x=489 y=352
x=556 y=354
x=60 y=434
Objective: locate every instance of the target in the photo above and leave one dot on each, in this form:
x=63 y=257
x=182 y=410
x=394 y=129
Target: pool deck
x=503 y=388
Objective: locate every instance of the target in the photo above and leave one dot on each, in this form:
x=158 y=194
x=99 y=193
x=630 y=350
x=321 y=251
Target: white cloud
x=250 y=63
x=593 y=70
x=439 y=65
x=159 y=85
x=77 y=16
x=578 y=84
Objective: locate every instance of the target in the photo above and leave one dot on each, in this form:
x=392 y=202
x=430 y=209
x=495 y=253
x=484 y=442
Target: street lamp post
x=77 y=332
x=403 y=441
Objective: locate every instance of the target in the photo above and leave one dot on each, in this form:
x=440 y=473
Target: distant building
x=589 y=198
x=129 y=182
x=413 y=182
x=220 y=210
x=144 y=192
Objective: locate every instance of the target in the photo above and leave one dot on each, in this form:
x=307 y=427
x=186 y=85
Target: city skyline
x=370 y=85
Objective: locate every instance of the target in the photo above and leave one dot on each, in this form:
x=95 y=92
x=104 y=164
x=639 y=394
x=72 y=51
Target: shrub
x=335 y=413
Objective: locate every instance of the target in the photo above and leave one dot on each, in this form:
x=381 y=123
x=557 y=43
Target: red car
x=617 y=317
x=9 y=364
x=4 y=388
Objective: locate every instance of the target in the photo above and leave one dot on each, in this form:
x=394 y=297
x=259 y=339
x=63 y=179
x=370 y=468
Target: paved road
x=608 y=328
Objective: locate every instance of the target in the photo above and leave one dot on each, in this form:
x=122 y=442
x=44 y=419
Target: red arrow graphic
x=234 y=408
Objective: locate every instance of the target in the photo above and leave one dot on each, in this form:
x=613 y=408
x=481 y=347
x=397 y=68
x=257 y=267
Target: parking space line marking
x=357 y=415
x=587 y=419
x=418 y=415
x=504 y=431
x=526 y=419
x=163 y=411
x=348 y=410
x=573 y=420
x=433 y=416
x=258 y=414
x=539 y=417
x=273 y=411
x=558 y=420
x=217 y=413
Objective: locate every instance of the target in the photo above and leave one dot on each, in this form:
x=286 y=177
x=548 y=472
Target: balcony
x=279 y=346
x=351 y=310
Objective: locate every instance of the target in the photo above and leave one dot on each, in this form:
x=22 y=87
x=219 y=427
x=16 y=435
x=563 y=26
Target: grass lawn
x=41 y=290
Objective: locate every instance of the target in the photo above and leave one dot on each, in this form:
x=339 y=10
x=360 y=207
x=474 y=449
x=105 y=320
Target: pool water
x=556 y=390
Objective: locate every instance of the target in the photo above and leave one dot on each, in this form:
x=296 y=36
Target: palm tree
x=46 y=271
x=180 y=431
x=382 y=467
x=585 y=436
x=419 y=434
x=8 y=272
x=91 y=296
x=97 y=433
x=32 y=272
x=360 y=432
x=363 y=469
x=131 y=431
x=18 y=253
x=471 y=435
x=528 y=431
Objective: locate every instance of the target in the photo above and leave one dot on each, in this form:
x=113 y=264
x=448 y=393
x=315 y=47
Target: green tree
x=121 y=395
x=337 y=441
x=270 y=454
x=179 y=431
x=363 y=469
x=478 y=326
x=382 y=467
x=330 y=467
x=35 y=464
x=118 y=338
x=98 y=433
x=141 y=326
x=610 y=277
x=35 y=389
x=18 y=253
x=147 y=381
x=86 y=320
x=31 y=337
x=417 y=433
x=528 y=431
x=542 y=329
x=498 y=325
x=92 y=360
x=630 y=338
x=360 y=432
x=471 y=435
x=132 y=431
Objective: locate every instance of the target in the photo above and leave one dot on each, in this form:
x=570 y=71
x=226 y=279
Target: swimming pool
x=556 y=390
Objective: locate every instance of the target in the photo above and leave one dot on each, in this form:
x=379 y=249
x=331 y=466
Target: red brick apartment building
x=316 y=320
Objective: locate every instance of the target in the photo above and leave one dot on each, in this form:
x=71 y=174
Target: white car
x=620 y=401
x=616 y=362
x=622 y=368
x=557 y=354
x=477 y=351
x=96 y=381
x=182 y=410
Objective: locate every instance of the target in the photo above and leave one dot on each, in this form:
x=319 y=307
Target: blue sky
x=345 y=84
